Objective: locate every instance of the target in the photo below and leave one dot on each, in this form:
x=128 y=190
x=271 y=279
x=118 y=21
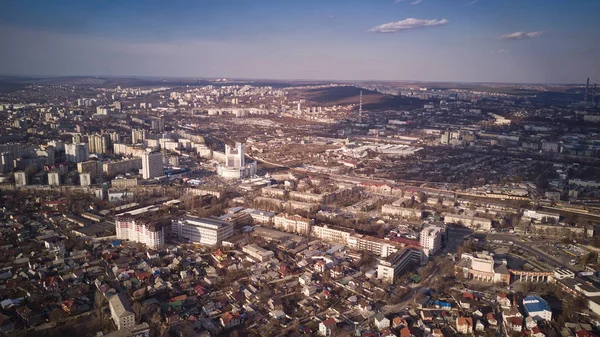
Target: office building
x=235 y=166
x=140 y=230
x=20 y=178
x=204 y=231
x=53 y=179
x=138 y=136
x=393 y=266
x=152 y=165
x=123 y=317
x=431 y=240
x=77 y=152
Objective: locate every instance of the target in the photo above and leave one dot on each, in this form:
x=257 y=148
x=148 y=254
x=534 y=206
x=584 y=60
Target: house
x=491 y=319
x=387 y=333
x=479 y=326
x=503 y=300
x=230 y=320
x=437 y=333
x=514 y=324
x=326 y=326
x=309 y=291
x=398 y=322
x=464 y=325
x=381 y=322
x=6 y=324
x=530 y=323
x=535 y=332
x=405 y=332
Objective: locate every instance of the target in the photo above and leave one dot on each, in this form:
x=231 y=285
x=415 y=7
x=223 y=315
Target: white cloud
x=501 y=51
x=521 y=35
x=414 y=2
x=472 y=2
x=410 y=23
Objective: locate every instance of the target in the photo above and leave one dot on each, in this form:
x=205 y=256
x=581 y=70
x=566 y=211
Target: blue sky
x=535 y=41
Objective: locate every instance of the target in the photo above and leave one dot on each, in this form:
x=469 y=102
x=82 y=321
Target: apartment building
x=330 y=234
x=140 y=230
x=123 y=317
x=393 y=266
x=292 y=224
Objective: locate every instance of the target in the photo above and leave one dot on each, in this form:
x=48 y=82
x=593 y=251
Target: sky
x=510 y=41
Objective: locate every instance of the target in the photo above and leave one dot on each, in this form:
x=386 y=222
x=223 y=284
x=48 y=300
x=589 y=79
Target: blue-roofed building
x=537 y=308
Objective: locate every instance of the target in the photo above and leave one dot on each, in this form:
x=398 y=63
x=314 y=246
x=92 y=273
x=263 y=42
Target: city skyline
x=419 y=40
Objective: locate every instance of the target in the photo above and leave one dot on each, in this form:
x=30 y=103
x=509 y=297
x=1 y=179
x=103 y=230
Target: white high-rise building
x=235 y=163
x=85 y=179
x=53 y=179
x=138 y=136
x=205 y=231
x=77 y=153
x=431 y=240
x=147 y=232
x=152 y=165
x=98 y=143
x=20 y=178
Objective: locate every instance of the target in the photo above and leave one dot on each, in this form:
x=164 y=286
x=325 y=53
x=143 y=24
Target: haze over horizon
x=508 y=41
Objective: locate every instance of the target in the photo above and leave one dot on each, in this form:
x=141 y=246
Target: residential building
x=138 y=136
x=140 y=230
x=20 y=178
x=114 y=168
x=330 y=234
x=77 y=152
x=205 y=231
x=7 y=164
x=381 y=247
x=123 y=317
x=408 y=213
x=326 y=326
x=53 y=179
x=85 y=179
x=464 y=325
x=152 y=165
x=431 y=240
x=380 y=321
x=292 y=224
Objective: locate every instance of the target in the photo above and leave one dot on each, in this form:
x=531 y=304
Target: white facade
x=20 y=178
x=292 y=224
x=53 y=179
x=123 y=318
x=85 y=179
x=329 y=234
x=152 y=165
x=146 y=232
x=431 y=240
x=258 y=253
x=204 y=231
x=397 y=263
x=235 y=166
x=77 y=153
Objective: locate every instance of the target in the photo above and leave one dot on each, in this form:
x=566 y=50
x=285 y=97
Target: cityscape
x=144 y=193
